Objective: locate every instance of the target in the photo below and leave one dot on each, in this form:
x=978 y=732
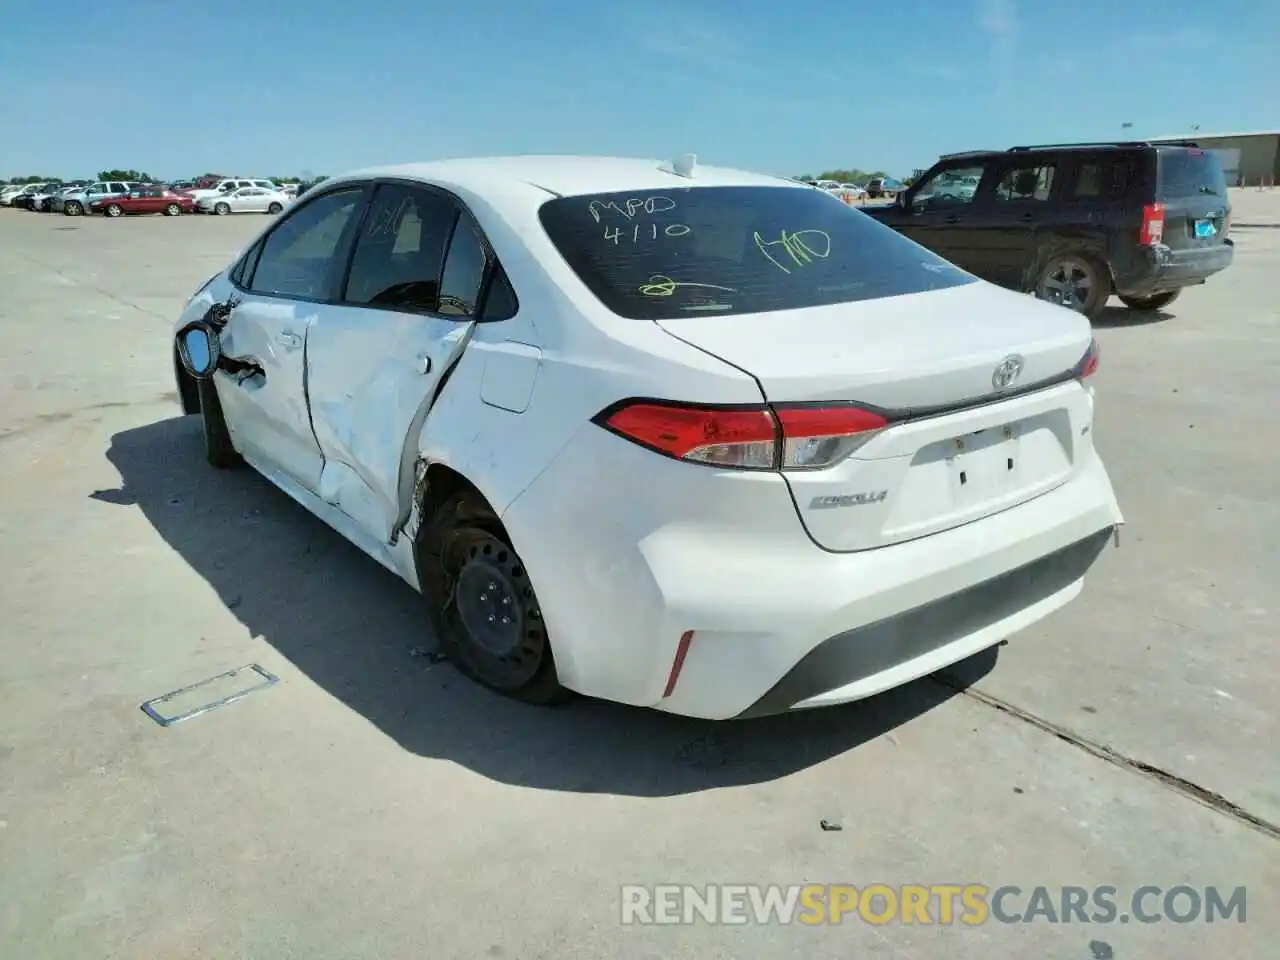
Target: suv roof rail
x=1104 y=143
x=967 y=153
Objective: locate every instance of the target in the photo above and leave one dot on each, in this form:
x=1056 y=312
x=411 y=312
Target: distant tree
x=125 y=175
x=34 y=179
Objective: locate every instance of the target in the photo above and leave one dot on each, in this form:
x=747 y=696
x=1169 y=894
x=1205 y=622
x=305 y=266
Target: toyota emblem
x=1006 y=371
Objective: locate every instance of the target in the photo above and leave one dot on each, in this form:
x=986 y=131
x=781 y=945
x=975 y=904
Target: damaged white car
x=674 y=436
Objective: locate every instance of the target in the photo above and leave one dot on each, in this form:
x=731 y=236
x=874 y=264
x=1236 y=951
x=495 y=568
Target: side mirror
x=199 y=349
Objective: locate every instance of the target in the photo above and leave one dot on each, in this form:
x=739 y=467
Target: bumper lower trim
x=867 y=650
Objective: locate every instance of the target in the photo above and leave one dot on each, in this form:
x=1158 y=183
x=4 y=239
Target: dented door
x=371 y=376
x=375 y=360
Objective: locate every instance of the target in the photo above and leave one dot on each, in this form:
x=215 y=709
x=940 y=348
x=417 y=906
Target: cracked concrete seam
x=1170 y=781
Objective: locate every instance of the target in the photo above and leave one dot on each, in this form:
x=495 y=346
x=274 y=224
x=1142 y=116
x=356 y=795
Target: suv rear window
x=659 y=254
x=1188 y=173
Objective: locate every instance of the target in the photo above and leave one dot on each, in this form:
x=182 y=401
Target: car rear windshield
x=1189 y=172
x=659 y=254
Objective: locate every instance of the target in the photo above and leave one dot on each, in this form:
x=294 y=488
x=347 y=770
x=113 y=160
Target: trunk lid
x=1193 y=190
x=957 y=448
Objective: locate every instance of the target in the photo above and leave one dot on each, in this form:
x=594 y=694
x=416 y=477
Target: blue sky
x=288 y=87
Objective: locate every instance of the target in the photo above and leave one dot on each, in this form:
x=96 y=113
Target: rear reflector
x=1088 y=364
x=1152 y=225
x=798 y=437
x=682 y=651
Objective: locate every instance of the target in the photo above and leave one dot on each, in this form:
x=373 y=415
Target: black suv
x=1074 y=223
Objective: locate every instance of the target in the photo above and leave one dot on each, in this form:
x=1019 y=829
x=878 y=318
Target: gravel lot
x=373 y=804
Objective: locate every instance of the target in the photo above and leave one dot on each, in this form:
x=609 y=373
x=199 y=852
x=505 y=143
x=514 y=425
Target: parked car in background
x=152 y=198
x=244 y=200
x=853 y=190
x=230 y=185
x=43 y=202
x=892 y=459
x=1075 y=223
x=77 y=203
x=28 y=194
x=9 y=191
x=307 y=185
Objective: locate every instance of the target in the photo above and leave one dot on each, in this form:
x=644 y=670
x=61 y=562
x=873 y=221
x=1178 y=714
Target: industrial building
x=1248 y=159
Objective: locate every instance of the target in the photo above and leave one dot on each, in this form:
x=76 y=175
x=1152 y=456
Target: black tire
x=1076 y=281
x=1157 y=302
x=112 y=210
x=73 y=208
x=218 y=449
x=172 y=210
x=274 y=208
x=221 y=209
x=471 y=577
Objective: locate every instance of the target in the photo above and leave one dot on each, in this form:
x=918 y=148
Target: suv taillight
x=799 y=437
x=1152 y=225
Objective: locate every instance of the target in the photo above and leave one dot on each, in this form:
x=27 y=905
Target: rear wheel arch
x=452 y=507
x=1051 y=245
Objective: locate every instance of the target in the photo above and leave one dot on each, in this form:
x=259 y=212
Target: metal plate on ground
x=198 y=698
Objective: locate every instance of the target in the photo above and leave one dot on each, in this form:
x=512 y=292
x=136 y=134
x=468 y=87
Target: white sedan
x=244 y=200
x=670 y=435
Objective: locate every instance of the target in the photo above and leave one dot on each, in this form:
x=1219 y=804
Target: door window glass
x=400 y=251
x=463 y=271
x=1088 y=181
x=954 y=185
x=298 y=255
x=1031 y=181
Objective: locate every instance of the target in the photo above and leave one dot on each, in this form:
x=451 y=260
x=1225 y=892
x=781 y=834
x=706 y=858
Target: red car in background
x=148 y=199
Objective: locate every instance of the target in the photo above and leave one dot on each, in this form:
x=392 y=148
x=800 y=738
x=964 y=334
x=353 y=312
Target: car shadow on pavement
x=1119 y=316
x=359 y=632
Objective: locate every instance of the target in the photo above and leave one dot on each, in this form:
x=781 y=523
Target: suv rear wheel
x=1076 y=281
x=1157 y=302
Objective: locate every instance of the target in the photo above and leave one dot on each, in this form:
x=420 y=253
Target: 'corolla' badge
x=1006 y=371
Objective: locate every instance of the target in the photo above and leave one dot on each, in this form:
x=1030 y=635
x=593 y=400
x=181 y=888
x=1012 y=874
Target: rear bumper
x=640 y=555
x=1161 y=269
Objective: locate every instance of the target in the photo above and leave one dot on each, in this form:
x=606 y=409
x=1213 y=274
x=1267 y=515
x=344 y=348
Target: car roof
x=564 y=175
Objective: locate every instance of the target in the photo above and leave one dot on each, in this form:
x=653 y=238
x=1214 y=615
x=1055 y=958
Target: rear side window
x=400 y=252
x=660 y=254
x=1031 y=181
x=1189 y=173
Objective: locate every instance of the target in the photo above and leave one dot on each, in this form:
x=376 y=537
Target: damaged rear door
x=376 y=359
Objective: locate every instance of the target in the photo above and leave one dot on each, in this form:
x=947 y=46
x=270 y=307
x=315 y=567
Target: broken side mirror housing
x=199 y=349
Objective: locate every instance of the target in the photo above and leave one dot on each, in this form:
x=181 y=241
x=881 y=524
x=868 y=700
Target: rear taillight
x=1088 y=364
x=798 y=437
x=1152 y=225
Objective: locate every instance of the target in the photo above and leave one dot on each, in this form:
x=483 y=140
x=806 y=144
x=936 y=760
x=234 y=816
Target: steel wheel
x=73 y=208
x=1074 y=282
x=221 y=209
x=113 y=210
x=503 y=638
x=172 y=210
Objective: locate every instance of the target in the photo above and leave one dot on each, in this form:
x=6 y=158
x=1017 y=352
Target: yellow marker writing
x=801 y=246
x=662 y=286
